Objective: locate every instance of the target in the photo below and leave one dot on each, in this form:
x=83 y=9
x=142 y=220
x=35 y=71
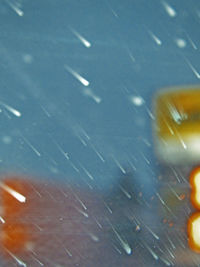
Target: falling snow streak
x=196 y=73
x=76 y=75
x=125 y=192
x=191 y=41
x=12 y=110
x=123 y=242
x=117 y=55
x=2 y=220
x=165 y=205
x=119 y=165
x=111 y=9
x=31 y=146
x=169 y=9
x=88 y=92
x=154 y=255
x=152 y=232
x=18 y=261
x=155 y=38
x=13 y=193
x=97 y=152
x=87 y=172
x=85 y=42
x=16 y=7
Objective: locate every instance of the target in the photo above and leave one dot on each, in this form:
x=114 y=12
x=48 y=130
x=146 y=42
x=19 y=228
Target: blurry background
x=76 y=85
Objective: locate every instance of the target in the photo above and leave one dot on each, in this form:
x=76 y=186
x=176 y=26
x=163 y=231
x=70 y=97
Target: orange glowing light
x=15 y=237
x=15 y=231
x=47 y=220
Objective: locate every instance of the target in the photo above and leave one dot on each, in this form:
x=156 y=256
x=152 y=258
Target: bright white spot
x=11 y=109
x=88 y=92
x=27 y=58
x=2 y=220
x=81 y=38
x=77 y=76
x=195 y=231
x=137 y=100
x=169 y=9
x=13 y=193
x=155 y=38
x=180 y=42
x=6 y=140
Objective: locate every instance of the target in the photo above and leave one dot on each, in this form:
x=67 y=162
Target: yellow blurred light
x=177 y=124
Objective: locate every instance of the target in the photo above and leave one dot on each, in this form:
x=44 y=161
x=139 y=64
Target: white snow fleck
x=12 y=192
x=77 y=76
x=137 y=100
x=11 y=109
x=197 y=74
x=14 y=7
x=88 y=92
x=180 y=42
x=85 y=42
x=169 y=9
x=155 y=38
x=2 y=220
